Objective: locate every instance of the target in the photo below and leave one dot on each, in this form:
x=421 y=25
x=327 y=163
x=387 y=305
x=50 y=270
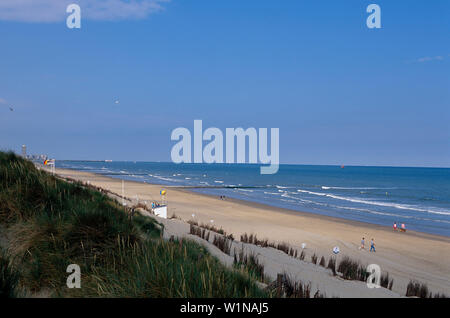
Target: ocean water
x=418 y=197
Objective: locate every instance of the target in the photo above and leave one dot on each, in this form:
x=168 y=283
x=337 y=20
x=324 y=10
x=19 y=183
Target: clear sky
x=339 y=92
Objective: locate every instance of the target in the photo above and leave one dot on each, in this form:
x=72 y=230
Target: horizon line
x=260 y=164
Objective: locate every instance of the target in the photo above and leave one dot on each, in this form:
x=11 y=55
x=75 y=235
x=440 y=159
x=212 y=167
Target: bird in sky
x=11 y=109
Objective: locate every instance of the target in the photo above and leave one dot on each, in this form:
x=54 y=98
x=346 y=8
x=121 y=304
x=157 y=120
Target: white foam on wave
x=311 y=192
x=164 y=178
x=287 y=197
x=379 y=203
x=355 y=188
x=398 y=216
x=290 y=201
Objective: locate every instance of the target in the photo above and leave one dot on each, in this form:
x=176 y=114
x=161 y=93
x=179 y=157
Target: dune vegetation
x=47 y=224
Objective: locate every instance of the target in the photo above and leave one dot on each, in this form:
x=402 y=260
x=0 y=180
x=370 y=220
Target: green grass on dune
x=8 y=277
x=50 y=223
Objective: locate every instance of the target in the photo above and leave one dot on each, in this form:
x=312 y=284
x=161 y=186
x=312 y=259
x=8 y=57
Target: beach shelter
x=161 y=209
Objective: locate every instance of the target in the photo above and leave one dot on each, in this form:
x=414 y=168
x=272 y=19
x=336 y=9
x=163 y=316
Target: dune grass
x=250 y=263
x=352 y=270
x=417 y=289
x=52 y=223
x=332 y=265
x=223 y=244
x=209 y=227
x=200 y=232
x=289 y=288
x=8 y=277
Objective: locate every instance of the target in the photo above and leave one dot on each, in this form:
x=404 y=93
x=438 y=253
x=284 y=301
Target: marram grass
x=48 y=223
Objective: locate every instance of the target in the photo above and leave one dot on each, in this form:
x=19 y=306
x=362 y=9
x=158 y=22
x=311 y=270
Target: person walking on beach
x=362 y=244
x=395 y=226
x=372 y=245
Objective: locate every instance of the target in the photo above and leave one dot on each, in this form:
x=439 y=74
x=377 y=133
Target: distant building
x=24 y=151
x=40 y=158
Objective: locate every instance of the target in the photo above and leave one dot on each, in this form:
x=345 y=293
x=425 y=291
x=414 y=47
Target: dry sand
x=405 y=256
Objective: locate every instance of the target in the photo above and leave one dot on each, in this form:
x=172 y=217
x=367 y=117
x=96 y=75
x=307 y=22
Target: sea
x=417 y=197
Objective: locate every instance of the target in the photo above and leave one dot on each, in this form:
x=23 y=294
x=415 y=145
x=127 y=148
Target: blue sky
x=339 y=92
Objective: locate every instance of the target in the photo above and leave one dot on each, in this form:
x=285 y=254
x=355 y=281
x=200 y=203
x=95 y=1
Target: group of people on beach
x=402 y=227
x=372 y=242
x=372 y=245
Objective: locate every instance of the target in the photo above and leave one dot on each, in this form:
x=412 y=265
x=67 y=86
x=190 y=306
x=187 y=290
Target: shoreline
x=277 y=209
x=405 y=256
x=384 y=214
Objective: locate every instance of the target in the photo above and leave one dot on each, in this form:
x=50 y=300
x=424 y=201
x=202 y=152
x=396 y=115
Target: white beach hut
x=161 y=211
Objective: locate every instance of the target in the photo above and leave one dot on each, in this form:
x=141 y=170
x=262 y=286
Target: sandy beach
x=405 y=256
